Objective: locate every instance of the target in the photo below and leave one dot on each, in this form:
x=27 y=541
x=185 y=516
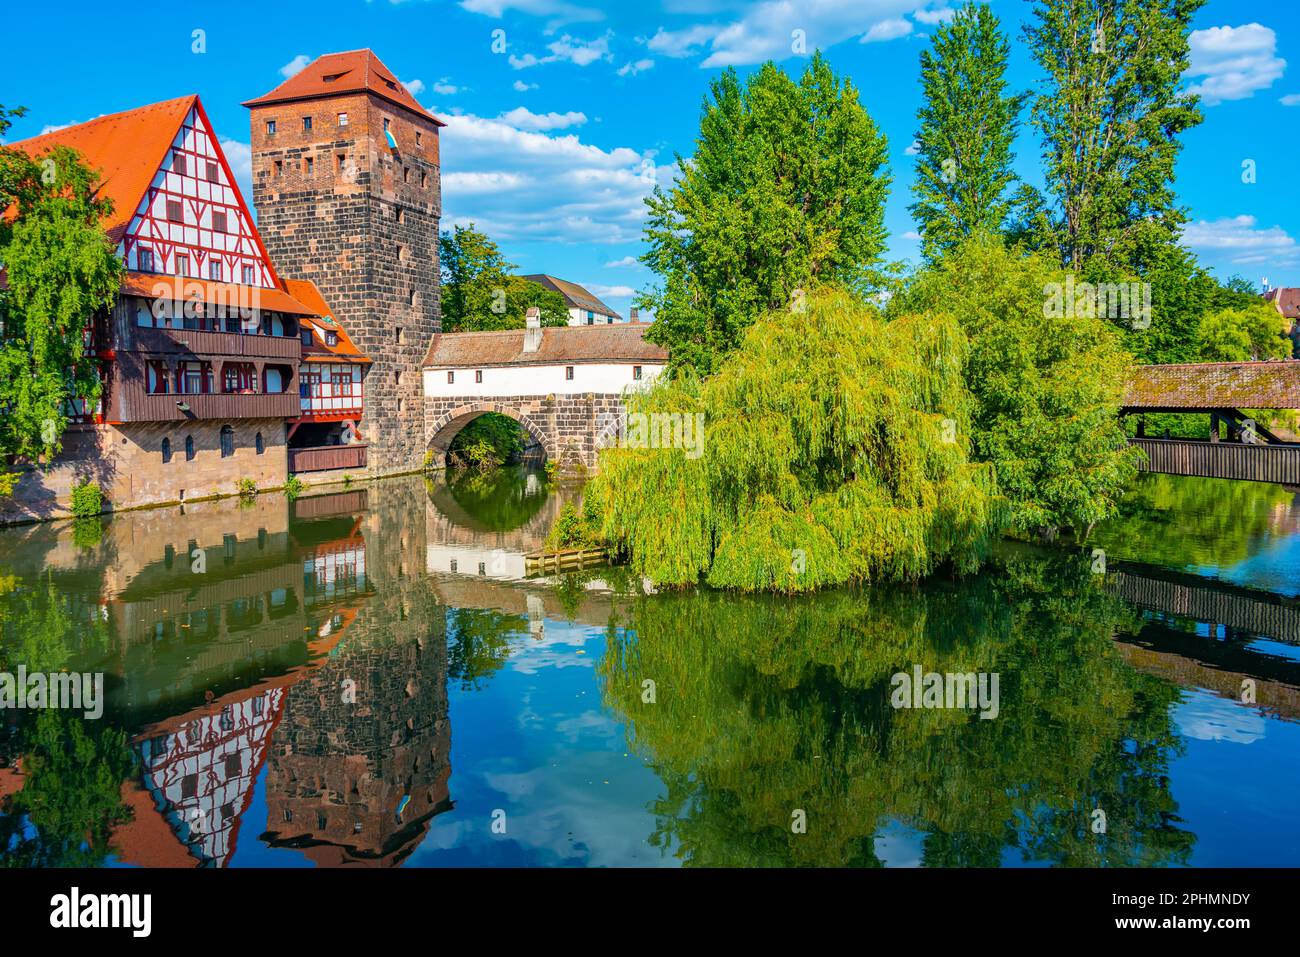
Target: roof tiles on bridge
x=561 y=345
x=1214 y=385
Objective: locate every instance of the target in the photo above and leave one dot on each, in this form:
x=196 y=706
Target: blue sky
x=553 y=140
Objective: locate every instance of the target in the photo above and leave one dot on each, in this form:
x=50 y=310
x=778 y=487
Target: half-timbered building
x=200 y=358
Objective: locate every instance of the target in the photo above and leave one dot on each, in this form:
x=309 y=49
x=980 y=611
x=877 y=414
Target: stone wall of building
x=570 y=429
x=127 y=463
x=361 y=221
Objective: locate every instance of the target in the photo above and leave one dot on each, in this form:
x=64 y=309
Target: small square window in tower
x=568 y=373
x=478 y=375
x=270 y=127
x=306 y=124
x=343 y=119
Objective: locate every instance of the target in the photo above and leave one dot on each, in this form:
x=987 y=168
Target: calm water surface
x=366 y=678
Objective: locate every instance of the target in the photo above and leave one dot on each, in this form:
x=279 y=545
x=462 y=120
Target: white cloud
x=890 y=29
x=1240 y=240
x=568 y=49
x=626 y=261
x=556 y=12
x=682 y=43
x=1291 y=99
x=469 y=184
x=521 y=87
x=610 y=292
x=633 y=68
x=295 y=66
x=416 y=87
x=528 y=185
x=932 y=17
x=914 y=149
x=912 y=234
x=1234 y=62
x=766 y=30
x=524 y=119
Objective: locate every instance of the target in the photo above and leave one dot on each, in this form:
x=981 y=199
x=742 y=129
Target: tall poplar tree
x=786 y=191
x=968 y=124
x=1110 y=113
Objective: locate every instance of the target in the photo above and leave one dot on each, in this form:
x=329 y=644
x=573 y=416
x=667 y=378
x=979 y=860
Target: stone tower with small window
x=348 y=194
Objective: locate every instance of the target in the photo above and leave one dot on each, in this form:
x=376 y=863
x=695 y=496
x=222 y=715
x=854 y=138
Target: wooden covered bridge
x=1238 y=446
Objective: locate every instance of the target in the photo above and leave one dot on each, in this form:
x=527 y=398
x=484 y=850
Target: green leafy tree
x=1047 y=390
x=831 y=446
x=1243 y=334
x=1110 y=114
x=480 y=292
x=786 y=191
x=968 y=124
x=61 y=272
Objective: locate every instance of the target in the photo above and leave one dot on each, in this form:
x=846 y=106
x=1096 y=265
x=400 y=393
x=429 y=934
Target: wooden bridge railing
x=1229 y=460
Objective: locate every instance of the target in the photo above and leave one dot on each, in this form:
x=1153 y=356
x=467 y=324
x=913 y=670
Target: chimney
x=635 y=313
x=532 y=329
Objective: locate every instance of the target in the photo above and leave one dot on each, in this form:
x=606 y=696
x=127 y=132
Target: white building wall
x=505 y=381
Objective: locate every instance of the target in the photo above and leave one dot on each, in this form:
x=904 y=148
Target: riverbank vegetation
x=487 y=443
x=61 y=270
x=863 y=423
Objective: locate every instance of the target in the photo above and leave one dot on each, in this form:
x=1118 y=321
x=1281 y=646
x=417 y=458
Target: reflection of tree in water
x=478 y=643
x=767 y=705
x=1177 y=521
x=72 y=768
x=500 y=500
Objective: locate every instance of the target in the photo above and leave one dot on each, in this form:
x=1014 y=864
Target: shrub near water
x=87 y=499
x=835 y=450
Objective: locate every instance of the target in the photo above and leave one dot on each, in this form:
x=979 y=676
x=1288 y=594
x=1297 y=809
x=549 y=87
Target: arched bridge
x=565 y=385
x=1238 y=447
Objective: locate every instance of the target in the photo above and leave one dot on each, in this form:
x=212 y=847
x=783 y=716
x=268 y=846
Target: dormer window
x=306 y=336
x=331 y=339
x=330 y=78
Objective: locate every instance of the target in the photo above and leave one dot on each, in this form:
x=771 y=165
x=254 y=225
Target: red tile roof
x=127 y=148
x=1214 y=385
x=1286 y=300
x=154 y=285
x=624 y=342
x=321 y=322
x=355 y=71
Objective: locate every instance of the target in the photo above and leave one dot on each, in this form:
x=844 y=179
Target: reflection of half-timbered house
x=201 y=774
x=199 y=359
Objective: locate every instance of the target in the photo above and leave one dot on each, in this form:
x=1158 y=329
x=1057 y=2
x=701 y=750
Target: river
x=366 y=678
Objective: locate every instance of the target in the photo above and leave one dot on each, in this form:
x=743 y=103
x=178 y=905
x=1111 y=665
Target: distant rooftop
x=575 y=296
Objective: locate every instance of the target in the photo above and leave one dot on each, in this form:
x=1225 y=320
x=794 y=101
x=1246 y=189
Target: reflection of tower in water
x=360 y=761
x=353 y=738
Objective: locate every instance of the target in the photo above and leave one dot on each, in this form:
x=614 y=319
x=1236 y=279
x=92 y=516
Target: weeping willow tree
x=834 y=448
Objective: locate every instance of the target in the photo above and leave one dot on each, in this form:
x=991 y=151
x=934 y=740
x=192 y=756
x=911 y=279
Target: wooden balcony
x=214 y=345
x=138 y=406
x=323 y=458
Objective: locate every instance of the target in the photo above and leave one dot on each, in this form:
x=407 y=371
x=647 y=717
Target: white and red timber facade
x=306 y=342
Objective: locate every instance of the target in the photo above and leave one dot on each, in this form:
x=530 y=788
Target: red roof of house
x=127 y=148
x=229 y=294
x=355 y=71
x=1286 y=299
x=320 y=322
